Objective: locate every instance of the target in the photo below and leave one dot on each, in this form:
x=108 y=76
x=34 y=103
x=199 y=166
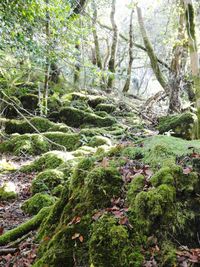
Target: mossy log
x=24 y=228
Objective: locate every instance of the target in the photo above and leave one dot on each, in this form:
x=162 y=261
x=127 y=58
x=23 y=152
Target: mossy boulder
x=30 y=102
x=34 y=204
x=30 y=144
x=33 y=125
x=110 y=245
x=46 y=181
x=49 y=160
x=108 y=108
x=75 y=118
x=96 y=100
x=99 y=141
x=181 y=125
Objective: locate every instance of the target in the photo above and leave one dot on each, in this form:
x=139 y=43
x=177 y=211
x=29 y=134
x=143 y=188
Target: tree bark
x=194 y=58
x=47 y=67
x=112 y=61
x=151 y=53
x=77 y=66
x=131 y=58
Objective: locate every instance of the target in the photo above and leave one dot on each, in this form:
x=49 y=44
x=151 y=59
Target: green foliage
x=34 y=204
x=109 y=108
x=99 y=141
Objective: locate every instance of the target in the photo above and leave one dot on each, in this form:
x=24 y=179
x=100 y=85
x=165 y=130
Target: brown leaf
x=81 y=238
x=105 y=162
x=1 y=230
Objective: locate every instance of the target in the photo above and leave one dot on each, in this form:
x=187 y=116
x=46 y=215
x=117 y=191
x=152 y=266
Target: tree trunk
x=112 y=61
x=47 y=68
x=151 y=53
x=129 y=70
x=193 y=50
x=77 y=66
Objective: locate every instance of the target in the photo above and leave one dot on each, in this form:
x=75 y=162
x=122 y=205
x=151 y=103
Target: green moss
x=34 y=204
x=75 y=118
x=46 y=181
x=57 y=191
x=136 y=186
x=52 y=159
x=182 y=125
x=24 y=228
x=95 y=100
x=168 y=255
x=9 y=111
x=163 y=176
x=102 y=184
x=6 y=195
x=109 y=244
x=109 y=108
x=154 y=207
x=99 y=141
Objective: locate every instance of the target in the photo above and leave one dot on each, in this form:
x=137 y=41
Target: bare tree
x=131 y=58
x=112 y=61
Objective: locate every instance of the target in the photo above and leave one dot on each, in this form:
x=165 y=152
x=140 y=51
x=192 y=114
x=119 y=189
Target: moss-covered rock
x=75 y=118
x=181 y=125
x=49 y=160
x=102 y=184
x=35 y=144
x=46 y=181
x=109 y=245
x=33 y=125
x=96 y=100
x=109 y=108
x=34 y=204
x=99 y=141
x=29 y=102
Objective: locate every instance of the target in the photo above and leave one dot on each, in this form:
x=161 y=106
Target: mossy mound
x=33 y=125
x=36 y=144
x=46 y=181
x=108 y=108
x=34 y=204
x=99 y=141
x=49 y=160
x=181 y=125
x=75 y=118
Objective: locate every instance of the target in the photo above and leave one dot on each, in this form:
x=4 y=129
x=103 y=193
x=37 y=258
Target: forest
x=99 y=133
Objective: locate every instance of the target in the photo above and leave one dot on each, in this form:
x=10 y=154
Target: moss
x=34 y=204
x=98 y=141
x=109 y=108
x=52 y=159
x=102 y=184
x=32 y=144
x=24 y=228
x=168 y=255
x=163 y=176
x=68 y=141
x=95 y=100
x=154 y=207
x=136 y=186
x=6 y=195
x=75 y=118
x=46 y=181
x=57 y=191
x=35 y=144
x=29 y=102
x=109 y=244
x=41 y=124
x=182 y=125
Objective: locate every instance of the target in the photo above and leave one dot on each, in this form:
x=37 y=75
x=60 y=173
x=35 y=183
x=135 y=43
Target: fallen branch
x=24 y=228
x=5 y=251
